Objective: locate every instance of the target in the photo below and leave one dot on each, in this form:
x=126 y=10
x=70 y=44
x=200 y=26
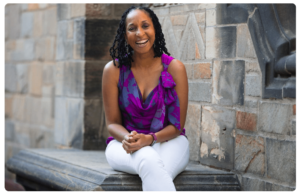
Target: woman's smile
x=142 y=43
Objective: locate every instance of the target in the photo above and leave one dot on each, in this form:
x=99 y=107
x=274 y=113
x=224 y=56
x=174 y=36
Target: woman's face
x=140 y=32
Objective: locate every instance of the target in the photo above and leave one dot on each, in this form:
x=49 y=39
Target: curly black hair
x=118 y=49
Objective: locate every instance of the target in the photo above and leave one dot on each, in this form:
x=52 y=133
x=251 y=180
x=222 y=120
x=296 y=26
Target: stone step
x=82 y=170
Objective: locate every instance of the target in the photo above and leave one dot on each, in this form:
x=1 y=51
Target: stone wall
x=229 y=125
x=30 y=45
x=54 y=57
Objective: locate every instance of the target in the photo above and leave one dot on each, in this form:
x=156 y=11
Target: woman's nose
x=139 y=32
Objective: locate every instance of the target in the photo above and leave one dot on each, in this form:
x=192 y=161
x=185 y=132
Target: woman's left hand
x=138 y=141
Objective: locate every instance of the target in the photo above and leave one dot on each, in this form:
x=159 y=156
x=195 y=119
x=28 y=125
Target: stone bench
x=81 y=170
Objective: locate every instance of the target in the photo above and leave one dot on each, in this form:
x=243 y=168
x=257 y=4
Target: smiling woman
x=145 y=95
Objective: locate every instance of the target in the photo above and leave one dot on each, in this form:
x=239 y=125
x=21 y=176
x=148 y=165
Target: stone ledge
x=78 y=170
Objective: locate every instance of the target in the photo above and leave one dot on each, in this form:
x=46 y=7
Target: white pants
x=157 y=165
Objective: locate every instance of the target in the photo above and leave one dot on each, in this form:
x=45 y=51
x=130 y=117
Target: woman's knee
x=148 y=158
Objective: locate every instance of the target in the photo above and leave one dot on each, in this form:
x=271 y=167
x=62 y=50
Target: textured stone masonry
x=249 y=154
x=274 y=117
x=246 y=121
x=192 y=127
x=217 y=137
x=281 y=160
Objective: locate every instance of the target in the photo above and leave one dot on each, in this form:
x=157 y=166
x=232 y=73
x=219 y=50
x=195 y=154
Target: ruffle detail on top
x=170 y=97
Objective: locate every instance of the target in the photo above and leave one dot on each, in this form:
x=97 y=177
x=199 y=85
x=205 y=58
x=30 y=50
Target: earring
x=154 y=45
x=126 y=46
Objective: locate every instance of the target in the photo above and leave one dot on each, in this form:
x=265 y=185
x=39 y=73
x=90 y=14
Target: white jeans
x=157 y=165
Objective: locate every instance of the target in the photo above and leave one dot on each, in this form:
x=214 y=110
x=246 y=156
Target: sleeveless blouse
x=160 y=108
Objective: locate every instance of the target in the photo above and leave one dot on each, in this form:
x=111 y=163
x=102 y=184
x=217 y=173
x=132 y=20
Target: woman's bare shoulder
x=111 y=71
x=176 y=68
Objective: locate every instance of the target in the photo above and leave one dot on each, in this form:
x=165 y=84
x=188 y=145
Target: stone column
x=85 y=32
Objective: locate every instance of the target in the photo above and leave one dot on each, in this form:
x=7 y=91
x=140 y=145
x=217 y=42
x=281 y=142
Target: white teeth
x=142 y=42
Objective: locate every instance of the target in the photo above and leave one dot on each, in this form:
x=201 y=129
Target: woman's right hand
x=129 y=136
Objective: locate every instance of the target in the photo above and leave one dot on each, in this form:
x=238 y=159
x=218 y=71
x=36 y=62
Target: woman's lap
x=173 y=155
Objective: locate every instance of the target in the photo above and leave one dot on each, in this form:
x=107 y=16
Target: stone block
x=33 y=6
x=200 y=91
x=50 y=48
x=293 y=127
x=228 y=82
x=48 y=73
x=47 y=106
x=211 y=17
x=50 y=21
x=162 y=11
x=207 y=5
x=25 y=50
x=252 y=67
x=202 y=71
x=189 y=70
x=18 y=107
x=179 y=9
x=119 y=9
x=192 y=127
x=59 y=79
x=253 y=85
x=26 y=24
x=98 y=10
x=36 y=111
x=22 y=78
x=191 y=36
x=70 y=34
x=12 y=21
x=93 y=79
x=281 y=160
x=274 y=117
x=64 y=47
x=63 y=11
x=277 y=187
x=11 y=83
x=172 y=38
x=69 y=122
x=95 y=132
x=40 y=49
x=43 y=139
x=294 y=109
x=74 y=79
x=79 y=39
x=251 y=184
x=35 y=78
x=244 y=42
x=191 y=48
x=220 y=42
x=48 y=91
x=23 y=136
x=217 y=137
x=98 y=40
x=38 y=24
x=8 y=106
x=179 y=20
x=249 y=154
x=9 y=130
x=246 y=121
x=200 y=17
x=202 y=31
x=78 y=10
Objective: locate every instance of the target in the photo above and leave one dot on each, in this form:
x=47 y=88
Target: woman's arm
x=177 y=70
x=113 y=115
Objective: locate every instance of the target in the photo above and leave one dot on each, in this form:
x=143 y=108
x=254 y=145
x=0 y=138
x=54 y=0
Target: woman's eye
x=145 y=26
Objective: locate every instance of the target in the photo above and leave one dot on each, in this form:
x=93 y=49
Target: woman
x=145 y=96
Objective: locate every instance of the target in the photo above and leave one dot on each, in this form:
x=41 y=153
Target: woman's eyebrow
x=133 y=23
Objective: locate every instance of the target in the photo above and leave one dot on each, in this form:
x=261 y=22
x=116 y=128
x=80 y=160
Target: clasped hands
x=134 y=141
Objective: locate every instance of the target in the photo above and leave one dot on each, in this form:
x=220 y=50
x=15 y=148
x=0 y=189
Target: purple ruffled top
x=160 y=108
